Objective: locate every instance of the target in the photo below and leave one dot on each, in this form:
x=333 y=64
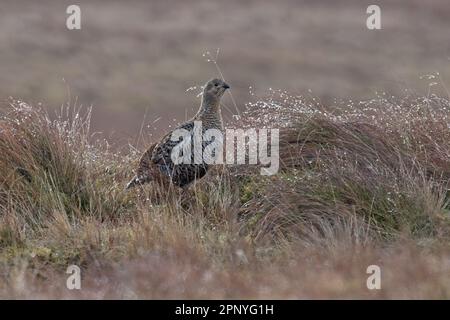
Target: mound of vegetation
x=373 y=171
x=353 y=174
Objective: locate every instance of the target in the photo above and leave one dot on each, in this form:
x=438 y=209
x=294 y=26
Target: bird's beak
x=226 y=86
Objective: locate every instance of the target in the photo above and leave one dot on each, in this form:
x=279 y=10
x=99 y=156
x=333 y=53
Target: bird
x=156 y=163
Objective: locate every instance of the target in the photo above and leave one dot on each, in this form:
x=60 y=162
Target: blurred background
x=134 y=61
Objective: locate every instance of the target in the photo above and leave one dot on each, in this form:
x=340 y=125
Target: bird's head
x=215 y=88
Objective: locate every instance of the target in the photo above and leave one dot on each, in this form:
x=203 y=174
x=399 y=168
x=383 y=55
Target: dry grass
x=360 y=184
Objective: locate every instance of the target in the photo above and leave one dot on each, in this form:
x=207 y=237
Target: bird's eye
x=216 y=84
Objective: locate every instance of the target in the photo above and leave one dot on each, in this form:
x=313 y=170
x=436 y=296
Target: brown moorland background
x=137 y=58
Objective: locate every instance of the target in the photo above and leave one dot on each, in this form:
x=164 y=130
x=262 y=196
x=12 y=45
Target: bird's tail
x=133 y=182
x=137 y=180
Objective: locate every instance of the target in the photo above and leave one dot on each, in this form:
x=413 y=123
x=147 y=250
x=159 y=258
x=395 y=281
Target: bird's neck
x=209 y=111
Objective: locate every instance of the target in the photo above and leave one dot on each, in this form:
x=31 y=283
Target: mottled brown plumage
x=156 y=163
